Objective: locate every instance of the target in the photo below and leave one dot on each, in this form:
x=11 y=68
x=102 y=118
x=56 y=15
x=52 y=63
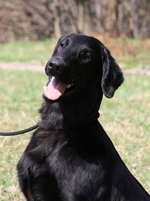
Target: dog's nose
x=54 y=67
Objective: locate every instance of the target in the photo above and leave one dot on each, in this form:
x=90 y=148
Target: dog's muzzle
x=55 y=67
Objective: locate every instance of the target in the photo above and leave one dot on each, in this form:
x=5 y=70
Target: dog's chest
x=74 y=174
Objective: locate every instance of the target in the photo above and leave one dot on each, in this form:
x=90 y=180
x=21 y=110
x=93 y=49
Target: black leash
x=19 y=132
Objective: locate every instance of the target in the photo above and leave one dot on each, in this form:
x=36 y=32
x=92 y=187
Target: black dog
x=70 y=157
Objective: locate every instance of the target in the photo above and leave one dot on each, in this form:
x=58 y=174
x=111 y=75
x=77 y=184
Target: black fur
x=70 y=157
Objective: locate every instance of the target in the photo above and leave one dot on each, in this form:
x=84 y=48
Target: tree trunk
x=100 y=13
x=135 y=28
x=111 y=17
x=88 y=23
x=57 y=13
x=85 y=23
x=80 y=5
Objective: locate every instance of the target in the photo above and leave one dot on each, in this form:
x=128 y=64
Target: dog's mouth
x=55 y=89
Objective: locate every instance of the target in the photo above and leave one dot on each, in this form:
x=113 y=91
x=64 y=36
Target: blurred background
x=41 y=19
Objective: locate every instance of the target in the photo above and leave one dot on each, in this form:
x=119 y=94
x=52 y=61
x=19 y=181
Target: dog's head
x=80 y=63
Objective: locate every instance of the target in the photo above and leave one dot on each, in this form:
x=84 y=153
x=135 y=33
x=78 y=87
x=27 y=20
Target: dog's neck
x=66 y=113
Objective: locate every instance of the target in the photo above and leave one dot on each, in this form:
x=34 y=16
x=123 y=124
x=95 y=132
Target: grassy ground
x=27 y=51
x=125 y=117
x=127 y=120
x=128 y=52
x=21 y=96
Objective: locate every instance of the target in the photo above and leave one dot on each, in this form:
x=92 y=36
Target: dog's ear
x=112 y=76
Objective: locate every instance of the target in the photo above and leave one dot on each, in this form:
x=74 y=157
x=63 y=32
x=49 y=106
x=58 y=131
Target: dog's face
x=80 y=63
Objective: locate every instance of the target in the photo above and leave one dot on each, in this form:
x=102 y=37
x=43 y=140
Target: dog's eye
x=63 y=45
x=86 y=56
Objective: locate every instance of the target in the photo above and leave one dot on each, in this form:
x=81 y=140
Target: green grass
x=126 y=51
x=125 y=118
x=27 y=51
x=140 y=59
x=131 y=52
x=21 y=97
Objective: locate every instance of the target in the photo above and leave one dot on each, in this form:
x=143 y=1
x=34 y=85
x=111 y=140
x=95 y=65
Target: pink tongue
x=55 y=89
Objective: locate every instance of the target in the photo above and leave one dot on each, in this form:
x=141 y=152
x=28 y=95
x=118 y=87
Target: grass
x=125 y=118
x=27 y=51
x=127 y=51
x=25 y=93
x=128 y=125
